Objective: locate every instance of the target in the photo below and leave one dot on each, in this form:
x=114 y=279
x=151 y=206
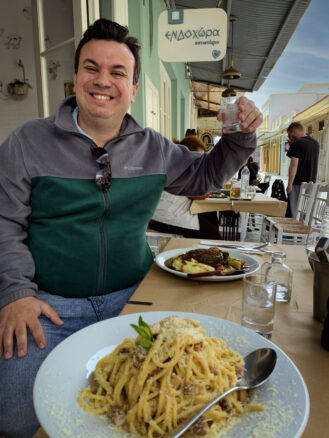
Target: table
x=295 y=330
x=261 y=204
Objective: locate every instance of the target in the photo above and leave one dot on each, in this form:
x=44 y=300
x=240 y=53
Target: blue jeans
x=17 y=417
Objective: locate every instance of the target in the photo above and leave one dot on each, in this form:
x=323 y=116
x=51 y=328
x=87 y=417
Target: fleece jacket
x=59 y=233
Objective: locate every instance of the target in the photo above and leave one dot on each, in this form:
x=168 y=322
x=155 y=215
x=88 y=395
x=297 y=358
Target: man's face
x=294 y=134
x=104 y=82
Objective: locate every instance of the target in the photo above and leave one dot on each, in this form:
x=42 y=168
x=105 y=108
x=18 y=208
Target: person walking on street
x=304 y=155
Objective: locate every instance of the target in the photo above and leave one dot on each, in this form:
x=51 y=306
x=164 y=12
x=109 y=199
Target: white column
x=120 y=11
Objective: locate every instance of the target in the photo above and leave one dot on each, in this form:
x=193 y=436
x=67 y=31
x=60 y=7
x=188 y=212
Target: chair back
x=321 y=201
x=305 y=201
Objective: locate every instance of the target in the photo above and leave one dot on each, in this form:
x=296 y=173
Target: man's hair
x=193 y=142
x=295 y=125
x=190 y=132
x=107 y=30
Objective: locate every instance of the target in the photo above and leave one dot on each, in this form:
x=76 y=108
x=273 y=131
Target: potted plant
x=17 y=86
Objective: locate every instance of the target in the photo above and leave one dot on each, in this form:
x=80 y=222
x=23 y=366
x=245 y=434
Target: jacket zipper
x=102 y=245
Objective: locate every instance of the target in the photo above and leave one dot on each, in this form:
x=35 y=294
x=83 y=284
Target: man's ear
x=74 y=81
x=135 y=88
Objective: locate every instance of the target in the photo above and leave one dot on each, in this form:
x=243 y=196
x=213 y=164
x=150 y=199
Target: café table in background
x=261 y=204
x=296 y=332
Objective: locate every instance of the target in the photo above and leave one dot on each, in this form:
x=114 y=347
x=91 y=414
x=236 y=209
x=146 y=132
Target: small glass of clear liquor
x=277 y=270
x=230 y=114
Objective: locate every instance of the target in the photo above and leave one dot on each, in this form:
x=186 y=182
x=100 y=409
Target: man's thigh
x=17 y=417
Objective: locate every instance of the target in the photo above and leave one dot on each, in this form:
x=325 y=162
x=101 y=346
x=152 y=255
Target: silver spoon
x=258 y=365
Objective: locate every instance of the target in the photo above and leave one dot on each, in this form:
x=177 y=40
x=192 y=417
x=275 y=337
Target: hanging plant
x=17 y=86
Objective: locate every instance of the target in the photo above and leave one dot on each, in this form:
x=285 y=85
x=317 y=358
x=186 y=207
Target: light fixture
x=187 y=71
x=231 y=72
x=229 y=91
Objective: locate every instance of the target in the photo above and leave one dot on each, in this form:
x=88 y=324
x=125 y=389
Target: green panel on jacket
x=86 y=243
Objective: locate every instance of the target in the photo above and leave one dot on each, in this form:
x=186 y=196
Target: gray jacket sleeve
x=16 y=262
x=193 y=174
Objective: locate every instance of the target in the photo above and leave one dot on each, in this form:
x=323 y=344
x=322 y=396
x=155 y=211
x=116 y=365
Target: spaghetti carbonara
x=148 y=392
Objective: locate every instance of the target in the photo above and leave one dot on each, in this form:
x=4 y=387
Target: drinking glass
x=312 y=239
x=251 y=192
x=230 y=114
x=258 y=304
x=235 y=189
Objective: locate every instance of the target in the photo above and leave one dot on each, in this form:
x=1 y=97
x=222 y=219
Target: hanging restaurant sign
x=188 y=35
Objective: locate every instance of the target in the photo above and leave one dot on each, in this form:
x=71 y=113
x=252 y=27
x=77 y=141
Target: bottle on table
x=322 y=247
x=245 y=175
x=277 y=270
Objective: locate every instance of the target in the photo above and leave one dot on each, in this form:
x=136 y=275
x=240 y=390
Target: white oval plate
x=66 y=370
x=250 y=261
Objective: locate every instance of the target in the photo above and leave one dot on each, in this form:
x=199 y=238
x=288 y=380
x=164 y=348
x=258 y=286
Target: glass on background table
x=251 y=192
x=312 y=239
x=235 y=189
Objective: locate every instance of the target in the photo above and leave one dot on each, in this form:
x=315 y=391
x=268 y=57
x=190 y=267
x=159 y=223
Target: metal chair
x=299 y=232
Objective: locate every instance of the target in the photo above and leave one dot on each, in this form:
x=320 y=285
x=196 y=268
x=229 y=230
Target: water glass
x=258 y=304
x=312 y=239
x=230 y=114
x=251 y=192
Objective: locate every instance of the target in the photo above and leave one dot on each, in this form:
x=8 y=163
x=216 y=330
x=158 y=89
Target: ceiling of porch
x=262 y=29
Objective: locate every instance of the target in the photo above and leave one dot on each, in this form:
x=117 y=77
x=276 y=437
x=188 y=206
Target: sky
x=305 y=60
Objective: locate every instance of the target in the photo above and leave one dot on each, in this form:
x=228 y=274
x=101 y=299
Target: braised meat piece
x=117 y=416
x=200 y=427
x=212 y=256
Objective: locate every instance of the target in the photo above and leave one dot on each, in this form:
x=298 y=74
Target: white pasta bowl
x=67 y=369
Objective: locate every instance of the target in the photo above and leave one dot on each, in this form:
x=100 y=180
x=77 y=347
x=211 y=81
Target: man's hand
x=19 y=315
x=249 y=115
x=289 y=189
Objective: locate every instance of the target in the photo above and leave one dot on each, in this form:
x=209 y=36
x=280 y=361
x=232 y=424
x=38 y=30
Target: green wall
x=143 y=23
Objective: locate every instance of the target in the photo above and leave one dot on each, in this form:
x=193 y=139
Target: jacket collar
x=64 y=119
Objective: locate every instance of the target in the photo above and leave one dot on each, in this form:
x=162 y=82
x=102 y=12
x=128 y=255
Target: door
x=58 y=28
x=165 y=102
x=182 y=116
x=151 y=104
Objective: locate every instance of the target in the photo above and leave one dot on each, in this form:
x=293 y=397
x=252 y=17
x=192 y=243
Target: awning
x=262 y=30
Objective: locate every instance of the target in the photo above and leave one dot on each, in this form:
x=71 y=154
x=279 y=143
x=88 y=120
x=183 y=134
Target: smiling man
x=77 y=191
x=104 y=86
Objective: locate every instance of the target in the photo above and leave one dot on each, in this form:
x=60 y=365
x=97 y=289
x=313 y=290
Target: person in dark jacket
x=253 y=171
